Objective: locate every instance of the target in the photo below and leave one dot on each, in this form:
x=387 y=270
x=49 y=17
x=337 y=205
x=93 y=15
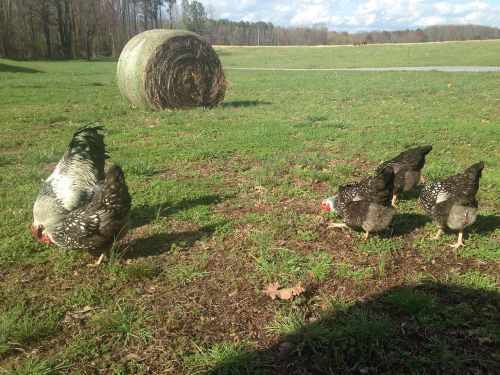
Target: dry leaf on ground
x=274 y=290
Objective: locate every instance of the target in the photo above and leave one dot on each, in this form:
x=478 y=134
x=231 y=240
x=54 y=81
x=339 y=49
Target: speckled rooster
x=452 y=202
x=407 y=167
x=365 y=204
x=80 y=206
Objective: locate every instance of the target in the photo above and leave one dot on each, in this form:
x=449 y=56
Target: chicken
x=407 y=167
x=365 y=204
x=452 y=202
x=80 y=206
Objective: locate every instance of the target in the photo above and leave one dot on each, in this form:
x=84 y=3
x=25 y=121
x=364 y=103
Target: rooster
x=407 y=167
x=80 y=206
x=365 y=204
x=452 y=202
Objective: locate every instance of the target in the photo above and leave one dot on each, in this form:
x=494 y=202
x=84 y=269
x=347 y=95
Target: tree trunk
x=6 y=28
x=45 y=27
x=64 y=26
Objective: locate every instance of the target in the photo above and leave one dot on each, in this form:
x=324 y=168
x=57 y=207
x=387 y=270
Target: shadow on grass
x=160 y=243
x=486 y=224
x=142 y=215
x=103 y=59
x=246 y=103
x=6 y=68
x=401 y=225
x=413 y=194
x=431 y=328
x=405 y=223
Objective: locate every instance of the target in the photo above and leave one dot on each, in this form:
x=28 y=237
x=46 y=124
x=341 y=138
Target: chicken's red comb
x=326 y=206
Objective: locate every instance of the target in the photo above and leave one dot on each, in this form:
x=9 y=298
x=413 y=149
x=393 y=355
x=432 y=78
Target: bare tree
x=45 y=19
x=34 y=29
x=63 y=8
x=171 y=7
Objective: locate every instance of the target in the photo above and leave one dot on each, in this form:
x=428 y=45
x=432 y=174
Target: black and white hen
x=452 y=202
x=80 y=206
x=407 y=167
x=365 y=204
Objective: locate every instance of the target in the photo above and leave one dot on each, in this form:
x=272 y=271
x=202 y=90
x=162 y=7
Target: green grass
x=355 y=332
x=482 y=248
x=139 y=271
x=283 y=265
x=33 y=367
x=286 y=323
x=379 y=245
x=126 y=322
x=87 y=295
x=339 y=304
x=227 y=200
x=475 y=279
x=287 y=266
x=319 y=265
x=411 y=301
x=346 y=271
x=184 y=273
x=452 y=53
x=222 y=358
x=21 y=327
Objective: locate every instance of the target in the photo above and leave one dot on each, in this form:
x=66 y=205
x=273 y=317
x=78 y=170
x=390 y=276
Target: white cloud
x=430 y=20
x=360 y=14
x=460 y=8
x=251 y=16
x=309 y=15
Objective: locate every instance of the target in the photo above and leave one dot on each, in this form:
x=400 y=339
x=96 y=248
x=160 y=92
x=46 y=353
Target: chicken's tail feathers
x=415 y=158
x=475 y=170
x=88 y=143
x=383 y=185
x=387 y=176
x=424 y=150
x=468 y=181
x=115 y=194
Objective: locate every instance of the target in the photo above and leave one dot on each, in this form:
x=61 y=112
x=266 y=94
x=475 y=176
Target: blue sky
x=359 y=14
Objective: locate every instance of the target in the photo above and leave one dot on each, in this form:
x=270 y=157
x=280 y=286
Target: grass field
x=226 y=201
x=484 y=53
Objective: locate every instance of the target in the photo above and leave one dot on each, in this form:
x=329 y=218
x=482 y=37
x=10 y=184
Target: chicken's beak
x=45 y=238
x=40 y=234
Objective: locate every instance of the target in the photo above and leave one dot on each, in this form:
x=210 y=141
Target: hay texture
x=161 y=69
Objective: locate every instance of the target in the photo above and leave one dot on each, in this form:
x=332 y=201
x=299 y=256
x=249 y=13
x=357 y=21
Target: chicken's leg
x=338 y=225
x=438 y=234
x=394 y=199
x=366 y=235
x=101 y=258
x=459 y=241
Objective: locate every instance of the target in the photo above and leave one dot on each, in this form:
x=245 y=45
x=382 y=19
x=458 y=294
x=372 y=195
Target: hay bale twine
x=160 y=69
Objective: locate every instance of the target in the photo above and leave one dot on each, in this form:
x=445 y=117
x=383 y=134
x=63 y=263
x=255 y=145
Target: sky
x=359 y=15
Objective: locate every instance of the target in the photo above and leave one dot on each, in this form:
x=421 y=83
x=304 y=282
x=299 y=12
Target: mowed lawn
x=472 y=53
x=227 y=200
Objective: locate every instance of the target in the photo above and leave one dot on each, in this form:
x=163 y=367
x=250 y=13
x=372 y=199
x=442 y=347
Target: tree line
x=68 y=29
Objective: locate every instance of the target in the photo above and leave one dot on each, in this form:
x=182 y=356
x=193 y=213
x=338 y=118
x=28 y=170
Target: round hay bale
x=160 y=69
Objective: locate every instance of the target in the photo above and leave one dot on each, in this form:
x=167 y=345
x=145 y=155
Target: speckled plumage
x=80 y=206
x=96 y=225
x=407 y=167
x=367 y=204
x=452 y=202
